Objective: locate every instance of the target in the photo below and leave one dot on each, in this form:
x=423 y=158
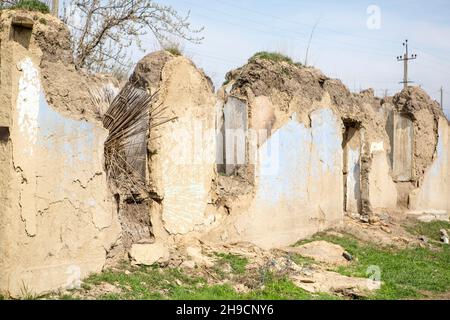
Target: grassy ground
x=406 y=273
x=155 y=283
x=409 y=273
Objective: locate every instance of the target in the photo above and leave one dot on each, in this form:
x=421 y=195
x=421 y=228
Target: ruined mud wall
x=296 y=166
x=424 y=113
x=362 y=134
x=58 y=219
x=433 y=193
x=181 y=152
x=294 y=151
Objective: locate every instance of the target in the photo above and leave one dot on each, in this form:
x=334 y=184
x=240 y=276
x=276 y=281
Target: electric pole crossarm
x=406 y=57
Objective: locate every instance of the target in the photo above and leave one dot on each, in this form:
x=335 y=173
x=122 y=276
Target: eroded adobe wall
x=294 y=152
x=297 y=166
x=382 y=189
x=433 y=193
x=380 y=156
x=417 y=130
x=59 y=220
x=181 y=151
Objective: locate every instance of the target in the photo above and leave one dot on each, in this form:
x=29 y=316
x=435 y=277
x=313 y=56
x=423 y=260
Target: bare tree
x=103 y=30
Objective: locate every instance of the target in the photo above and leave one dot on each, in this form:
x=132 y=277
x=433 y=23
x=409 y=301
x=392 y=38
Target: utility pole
x=442 y=98
x=405 y=60
x=55 y=7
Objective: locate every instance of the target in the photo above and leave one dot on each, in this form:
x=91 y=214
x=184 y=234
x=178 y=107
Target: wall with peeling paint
x=432 y=196
x=299 y=189
x=382 y=189
x=183 y=152
x=235 y=128
x=352 y=157
x=58 y=219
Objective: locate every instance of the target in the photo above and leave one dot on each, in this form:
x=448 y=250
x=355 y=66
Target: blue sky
x=342 y=46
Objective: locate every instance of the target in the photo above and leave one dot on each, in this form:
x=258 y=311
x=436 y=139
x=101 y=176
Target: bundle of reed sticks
x=130 y=118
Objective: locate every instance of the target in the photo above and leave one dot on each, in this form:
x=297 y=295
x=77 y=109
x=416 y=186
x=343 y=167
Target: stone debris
x=386 y=229
x=444 y=236
x=195 y=255
x=149 y=254
x=332 y=282
x=321 y=251
x=188 y=264
x=364 y=219
x=423 y=239
x=347 y=256
x=241 y=288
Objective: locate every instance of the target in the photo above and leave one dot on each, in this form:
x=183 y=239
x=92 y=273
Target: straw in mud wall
x=129 y=119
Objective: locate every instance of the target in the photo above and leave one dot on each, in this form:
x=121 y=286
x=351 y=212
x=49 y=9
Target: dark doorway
x=4 y=134
x=21 y=30
x=351 y=146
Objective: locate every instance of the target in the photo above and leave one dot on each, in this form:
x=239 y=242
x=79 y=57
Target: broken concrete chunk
x=364 y=218
x=188 y=264
x=332 y=282
x=386 y=229
x=321 y=251
x=149 y=254
x=347 y=256
x=444 y=236
x=195 y=254
x=423 y=239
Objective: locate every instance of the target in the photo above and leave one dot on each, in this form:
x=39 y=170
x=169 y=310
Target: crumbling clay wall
x=311 y=151
x=297 y=166
x=418 y=131
x=294 y=152
x=382 y=189
x=182 y=151
x=433 y=193
x=58 y=219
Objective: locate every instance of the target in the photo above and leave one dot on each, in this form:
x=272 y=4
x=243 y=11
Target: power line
x=331 y=30
x=406 y=58
x=324 y=39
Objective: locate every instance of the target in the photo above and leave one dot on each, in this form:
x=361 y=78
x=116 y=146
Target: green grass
x=404 y=272
x=174 y=50
x=430 y=229
x=236 y=262
x=275 y=57
x=153 y=283
x=31 y=5
x=278 y=287
x=301 y=260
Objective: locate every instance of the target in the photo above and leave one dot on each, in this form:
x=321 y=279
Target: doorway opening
x=4 y=134
x=351 y=146
x=21 y=31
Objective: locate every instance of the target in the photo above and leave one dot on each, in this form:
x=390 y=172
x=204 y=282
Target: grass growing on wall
x=174 y=50
x=30 y=5
x=273 y=56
